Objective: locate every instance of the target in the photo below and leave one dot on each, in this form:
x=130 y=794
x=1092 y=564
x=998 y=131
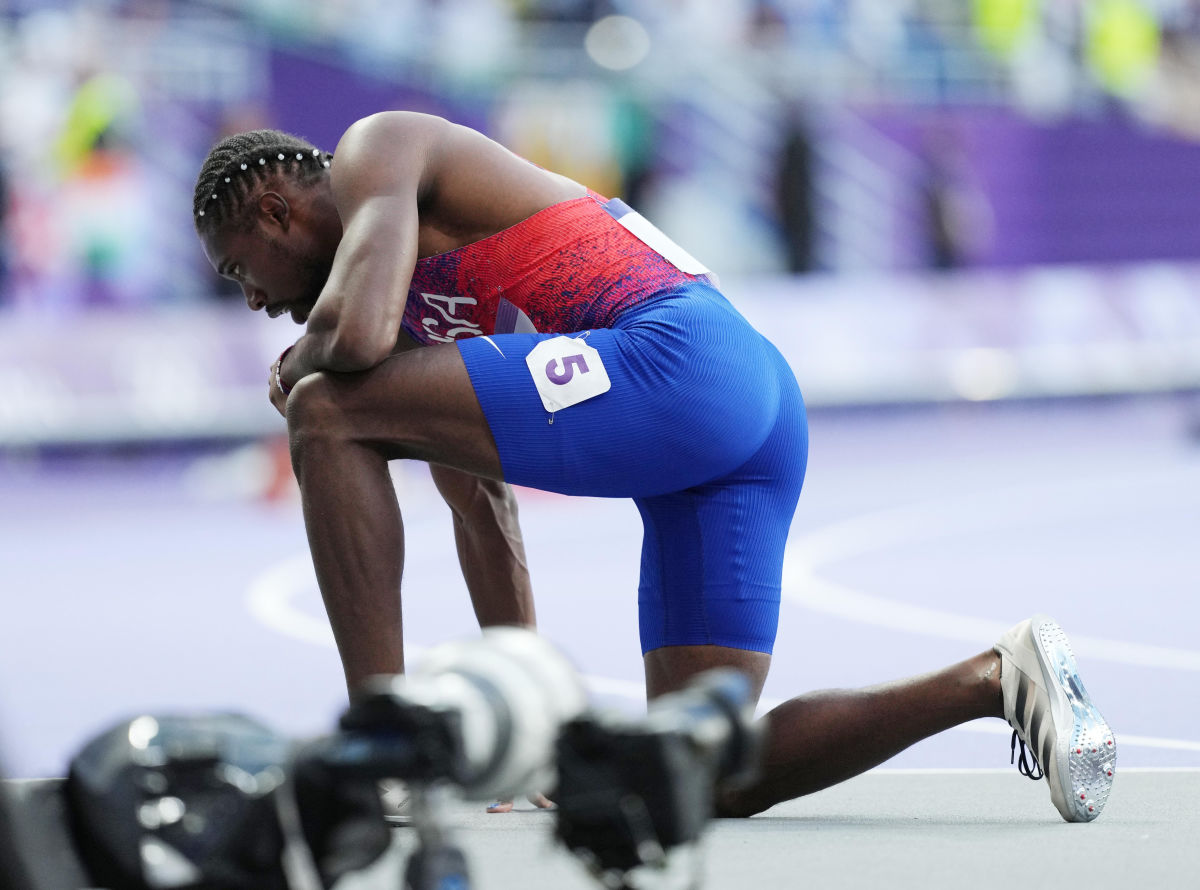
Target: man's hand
x=275 y=388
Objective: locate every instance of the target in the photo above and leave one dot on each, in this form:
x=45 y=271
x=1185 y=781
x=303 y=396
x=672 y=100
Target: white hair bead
x=299 y=156
x=281 y=156
x=243 y=166
x=202 y=213
x=327 y=163
x=227 y=179
x=262 y=160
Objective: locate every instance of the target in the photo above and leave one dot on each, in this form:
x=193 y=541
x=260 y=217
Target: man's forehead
x=219 y=246
x=214 y=249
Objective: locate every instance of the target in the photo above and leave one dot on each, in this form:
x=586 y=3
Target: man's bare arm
x=378 y=177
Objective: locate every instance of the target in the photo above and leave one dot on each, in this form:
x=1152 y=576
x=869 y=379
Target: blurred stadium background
x=973 y=226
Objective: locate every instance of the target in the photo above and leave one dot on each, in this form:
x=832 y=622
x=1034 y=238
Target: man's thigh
x=417 y=404
x=712 y=555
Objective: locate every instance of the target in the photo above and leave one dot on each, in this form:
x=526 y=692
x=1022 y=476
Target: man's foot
x=394 y=796
x=1050 y=711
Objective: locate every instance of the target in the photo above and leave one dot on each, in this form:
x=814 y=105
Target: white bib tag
x=566 y=371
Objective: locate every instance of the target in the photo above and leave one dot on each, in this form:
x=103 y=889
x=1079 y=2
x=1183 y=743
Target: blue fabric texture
x=703 y=426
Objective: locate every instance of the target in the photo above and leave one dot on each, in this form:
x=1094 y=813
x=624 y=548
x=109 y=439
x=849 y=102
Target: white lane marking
x=270 y=595
x=271 y=600
x=804 y=588
x=932 y=520
x=1013 y=506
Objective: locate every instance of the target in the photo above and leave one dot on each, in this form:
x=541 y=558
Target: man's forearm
x=324 y=351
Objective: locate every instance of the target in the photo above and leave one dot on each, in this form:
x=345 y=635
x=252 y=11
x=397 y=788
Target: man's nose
x=255 y=298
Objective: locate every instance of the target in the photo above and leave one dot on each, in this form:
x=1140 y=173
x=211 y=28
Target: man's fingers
x=538 y=800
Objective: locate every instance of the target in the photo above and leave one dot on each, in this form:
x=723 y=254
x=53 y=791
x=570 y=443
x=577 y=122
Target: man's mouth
x=298 y=312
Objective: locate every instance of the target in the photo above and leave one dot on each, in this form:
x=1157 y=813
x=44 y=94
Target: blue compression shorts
x=703 y=426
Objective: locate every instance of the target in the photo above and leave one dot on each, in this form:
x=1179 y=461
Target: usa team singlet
x=607 y=364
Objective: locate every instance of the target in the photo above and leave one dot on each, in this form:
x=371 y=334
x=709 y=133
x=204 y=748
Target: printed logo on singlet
x=447 y=325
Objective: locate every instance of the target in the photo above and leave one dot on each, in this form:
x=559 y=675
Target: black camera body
x=220 y=802
x=630 y=792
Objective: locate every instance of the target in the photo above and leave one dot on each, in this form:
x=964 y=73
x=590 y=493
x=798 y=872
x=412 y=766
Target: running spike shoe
x=1051 y=714
x=397 y=807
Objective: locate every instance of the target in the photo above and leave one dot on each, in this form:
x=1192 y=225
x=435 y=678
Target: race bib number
x=566 y=371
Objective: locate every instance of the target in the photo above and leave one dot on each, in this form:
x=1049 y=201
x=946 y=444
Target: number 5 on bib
x=566 y=371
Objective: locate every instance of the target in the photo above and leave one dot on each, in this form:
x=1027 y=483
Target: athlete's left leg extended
x=822 y=738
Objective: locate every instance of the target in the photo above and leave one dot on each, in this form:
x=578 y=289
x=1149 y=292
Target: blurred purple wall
x=1103 y=190
x=319 y=100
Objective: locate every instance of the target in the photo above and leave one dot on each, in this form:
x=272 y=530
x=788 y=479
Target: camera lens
x=506 y=695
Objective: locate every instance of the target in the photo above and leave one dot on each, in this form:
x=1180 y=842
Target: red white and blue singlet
x=572 y=266
x=607 y=364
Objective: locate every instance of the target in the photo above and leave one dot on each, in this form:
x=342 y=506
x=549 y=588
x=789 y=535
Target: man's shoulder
x=378 y=153
x=385 y=127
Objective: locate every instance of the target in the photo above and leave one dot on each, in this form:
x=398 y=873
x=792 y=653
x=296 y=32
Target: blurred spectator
x=89 y=188
x=957 y=216
x=1175 y=100
x=5 y=296
x=102 y=193
x=79 y=221
x=567 y=127
x=563 y=11
x=636 y=148
x=797 y=200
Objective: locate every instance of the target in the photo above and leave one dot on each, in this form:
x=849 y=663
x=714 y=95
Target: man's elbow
x=352 y=350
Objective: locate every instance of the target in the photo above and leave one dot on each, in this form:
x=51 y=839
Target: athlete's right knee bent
x=330 y=411
x=314 y=415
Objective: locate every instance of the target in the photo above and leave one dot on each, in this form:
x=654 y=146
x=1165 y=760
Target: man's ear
x=275 y=210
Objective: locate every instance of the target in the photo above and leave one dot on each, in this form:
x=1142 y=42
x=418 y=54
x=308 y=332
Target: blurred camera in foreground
x=222 y=803
x=481 y=715
x=214 y=802
x=634 y=797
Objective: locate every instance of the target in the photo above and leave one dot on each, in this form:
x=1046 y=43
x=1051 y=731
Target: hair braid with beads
x=238 y=163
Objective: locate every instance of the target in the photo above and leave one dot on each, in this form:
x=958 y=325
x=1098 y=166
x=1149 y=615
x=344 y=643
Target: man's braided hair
x=239 y=163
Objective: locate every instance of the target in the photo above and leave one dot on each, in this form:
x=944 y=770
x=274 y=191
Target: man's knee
x=314 y=414
x=337 y=410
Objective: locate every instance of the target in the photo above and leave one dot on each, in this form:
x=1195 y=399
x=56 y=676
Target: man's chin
x=299 y=316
